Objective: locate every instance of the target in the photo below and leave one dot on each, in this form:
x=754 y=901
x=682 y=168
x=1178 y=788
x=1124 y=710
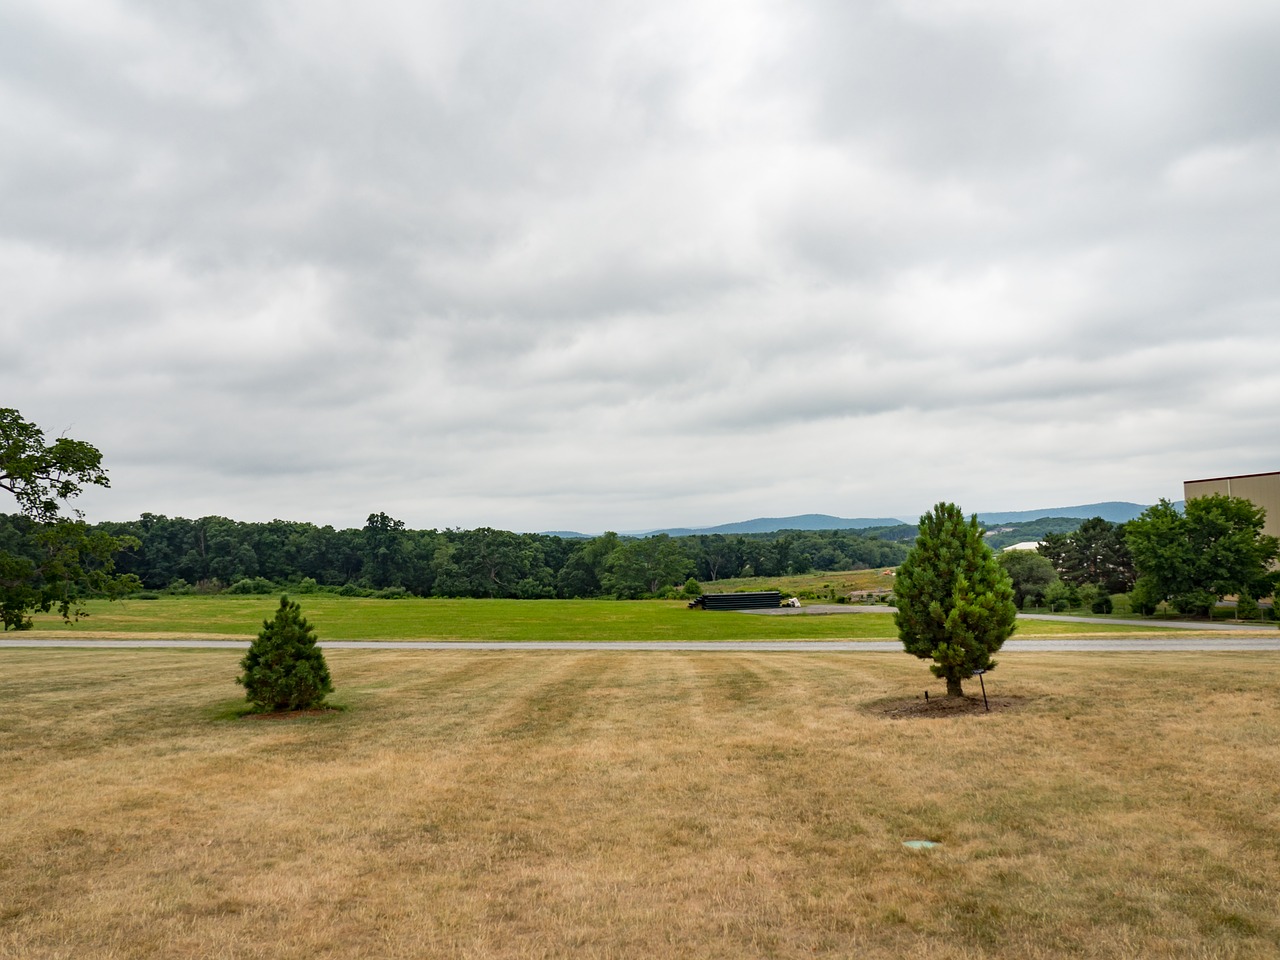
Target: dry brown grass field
x=529 y=805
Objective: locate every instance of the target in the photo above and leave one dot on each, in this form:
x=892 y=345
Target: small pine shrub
x=284 y=669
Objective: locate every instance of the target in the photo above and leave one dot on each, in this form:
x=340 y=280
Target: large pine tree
x=955 y=601
x=284 y=668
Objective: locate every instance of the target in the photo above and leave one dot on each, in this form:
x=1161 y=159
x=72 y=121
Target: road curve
x=1204 y=643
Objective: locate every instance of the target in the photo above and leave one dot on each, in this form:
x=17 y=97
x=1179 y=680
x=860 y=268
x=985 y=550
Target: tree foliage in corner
x=284 y=668
x=52 y=560
x=955 y=601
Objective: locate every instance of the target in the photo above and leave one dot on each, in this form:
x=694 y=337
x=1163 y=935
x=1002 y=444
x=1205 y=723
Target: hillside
x=1116 y=511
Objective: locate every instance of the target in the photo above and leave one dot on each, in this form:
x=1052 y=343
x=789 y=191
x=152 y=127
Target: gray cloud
x=561 y=265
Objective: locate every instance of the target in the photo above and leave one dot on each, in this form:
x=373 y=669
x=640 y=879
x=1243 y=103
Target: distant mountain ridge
x=805 y=521
x=1116 y=511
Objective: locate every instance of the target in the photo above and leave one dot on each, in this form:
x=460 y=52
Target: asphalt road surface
x=819 y=609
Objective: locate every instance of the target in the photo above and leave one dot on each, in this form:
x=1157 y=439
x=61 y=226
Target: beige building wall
x=1262 y=489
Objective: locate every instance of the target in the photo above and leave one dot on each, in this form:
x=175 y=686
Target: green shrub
x=254 y=586
x=1143 y=598
x=1061 y=596
x=1246 y=608
x=692 y=588
x=392 y=593
x=284 y=669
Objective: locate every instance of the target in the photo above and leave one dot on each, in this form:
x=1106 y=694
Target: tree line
x=211 y=554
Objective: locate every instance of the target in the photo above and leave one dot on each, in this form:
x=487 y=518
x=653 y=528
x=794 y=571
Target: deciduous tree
x=54 y=560
x=1192 y=559
x=1030 y=574
x=643 y=567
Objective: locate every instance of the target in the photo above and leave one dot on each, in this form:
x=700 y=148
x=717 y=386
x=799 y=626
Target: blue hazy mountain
x=805 y=521
x=1116 y=511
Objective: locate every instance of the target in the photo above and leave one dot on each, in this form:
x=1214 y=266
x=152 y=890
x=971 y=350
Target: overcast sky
x=621 y=265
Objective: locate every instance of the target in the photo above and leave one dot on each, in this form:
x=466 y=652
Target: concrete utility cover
x=920 y=844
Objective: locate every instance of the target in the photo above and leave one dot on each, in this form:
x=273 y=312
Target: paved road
x=1188 y=643
x=818 y=609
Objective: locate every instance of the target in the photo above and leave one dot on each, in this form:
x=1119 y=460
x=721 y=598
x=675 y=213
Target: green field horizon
x=354 y=618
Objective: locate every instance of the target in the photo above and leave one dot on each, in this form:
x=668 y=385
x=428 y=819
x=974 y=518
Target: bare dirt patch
x=900 y=708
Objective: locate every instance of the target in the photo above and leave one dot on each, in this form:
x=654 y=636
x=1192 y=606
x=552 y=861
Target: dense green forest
x=214 y=553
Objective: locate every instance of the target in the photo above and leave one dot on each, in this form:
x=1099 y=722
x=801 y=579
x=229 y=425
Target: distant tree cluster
x=1096 y=553
x=1081 y=567
x=1188 y=559
x=385 y=558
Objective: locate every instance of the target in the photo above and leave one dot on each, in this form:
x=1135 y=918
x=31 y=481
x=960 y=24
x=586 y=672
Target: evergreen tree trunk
x=953 y=687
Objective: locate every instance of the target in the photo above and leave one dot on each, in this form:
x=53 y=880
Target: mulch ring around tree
x=941 y=706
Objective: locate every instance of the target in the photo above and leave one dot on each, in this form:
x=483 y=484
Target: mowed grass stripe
x=520 y=805
x=353 y=618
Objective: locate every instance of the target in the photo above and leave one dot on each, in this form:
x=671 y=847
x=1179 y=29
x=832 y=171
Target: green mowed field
x=350 y=618
x=538 y=804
